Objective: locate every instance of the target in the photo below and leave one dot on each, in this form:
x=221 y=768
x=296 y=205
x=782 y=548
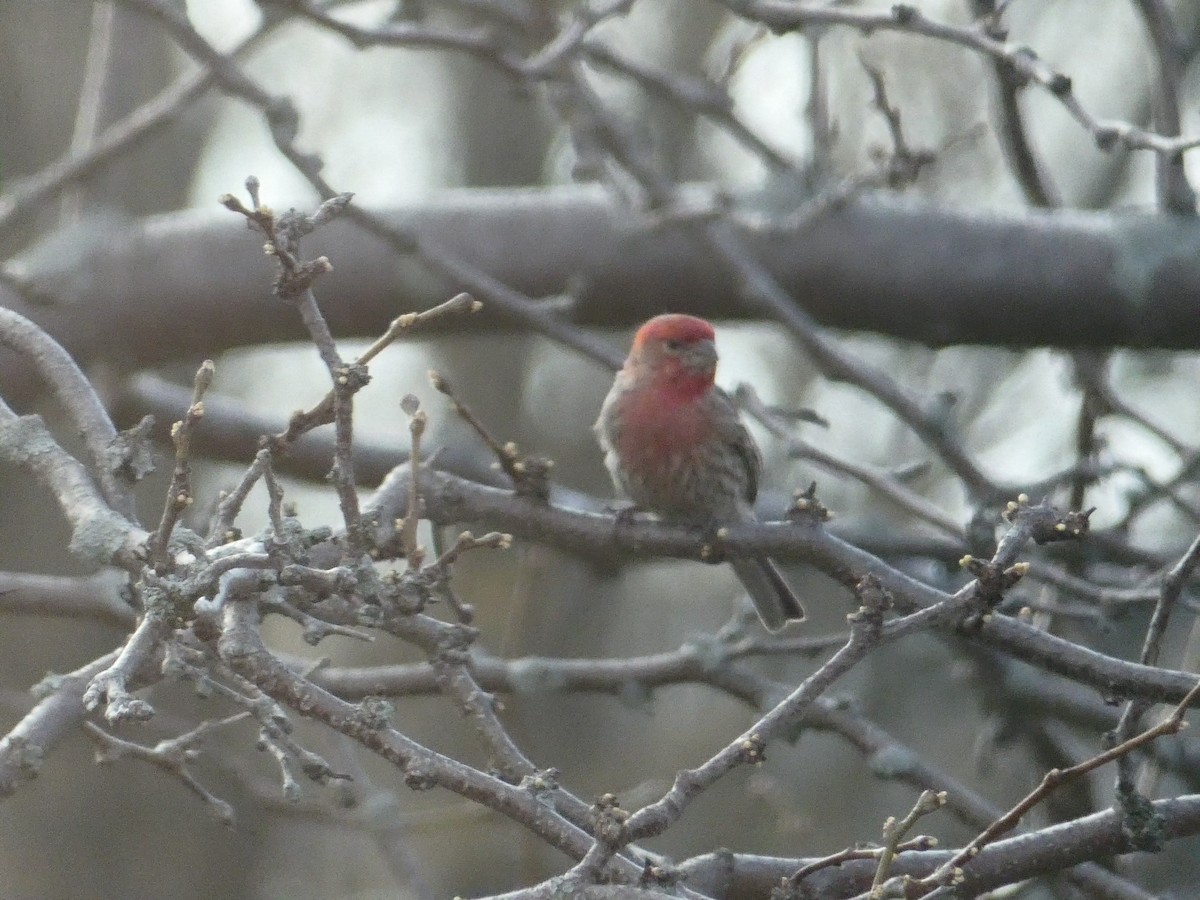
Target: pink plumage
x=675 y=446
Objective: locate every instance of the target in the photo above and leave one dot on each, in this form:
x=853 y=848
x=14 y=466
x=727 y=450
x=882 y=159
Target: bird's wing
x=735 y=435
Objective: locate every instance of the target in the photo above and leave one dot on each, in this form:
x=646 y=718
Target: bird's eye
x=674 y=345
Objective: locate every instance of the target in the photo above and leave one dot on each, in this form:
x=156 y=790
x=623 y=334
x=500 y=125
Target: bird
x=675 y=446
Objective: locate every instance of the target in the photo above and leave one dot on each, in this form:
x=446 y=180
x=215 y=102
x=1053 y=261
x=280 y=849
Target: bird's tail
x=773 y=598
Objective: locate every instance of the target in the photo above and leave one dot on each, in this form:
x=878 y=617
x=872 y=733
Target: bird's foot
x=624 y=513
x=713 y=534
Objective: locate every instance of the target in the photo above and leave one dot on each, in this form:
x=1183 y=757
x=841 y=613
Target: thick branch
x=1042 y=852
x=59 y=712
x=452 y=500
x=880 y=264
x=93 y=597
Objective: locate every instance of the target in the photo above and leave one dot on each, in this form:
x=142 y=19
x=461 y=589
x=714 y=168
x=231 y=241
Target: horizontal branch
x=92 y=597
x=1043 y=852
x=452 y=500
x=883 y=264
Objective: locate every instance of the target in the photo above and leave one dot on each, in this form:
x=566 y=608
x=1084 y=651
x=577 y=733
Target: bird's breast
x=665 y=458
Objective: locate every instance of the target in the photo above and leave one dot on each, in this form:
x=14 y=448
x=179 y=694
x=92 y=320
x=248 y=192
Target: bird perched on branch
x=675 y=446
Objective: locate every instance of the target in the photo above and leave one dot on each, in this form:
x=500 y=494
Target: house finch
x=675 y=446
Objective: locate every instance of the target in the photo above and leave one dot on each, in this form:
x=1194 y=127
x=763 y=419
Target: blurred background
x=401 y=125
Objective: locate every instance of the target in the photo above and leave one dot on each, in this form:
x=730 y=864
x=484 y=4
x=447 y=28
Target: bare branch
x=57 y=714
x=179 y=493
x=72 y=389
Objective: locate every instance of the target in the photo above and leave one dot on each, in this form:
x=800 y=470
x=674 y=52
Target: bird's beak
x=701 y=356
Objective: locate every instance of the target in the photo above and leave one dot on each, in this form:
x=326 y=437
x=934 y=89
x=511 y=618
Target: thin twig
x=894 y=832
x=414 y=554
x=696 y=95
x=1028 y=169
x=1175 y=194
x=529 y=474
x=781 y=15
x=179 y=493
x=27 y=194
x=172 y=756
x=879 y=480
x=1053 y=780
x=222 y=531
x=91 y=97
x=853 y=853
x=459 y=303
x=1172 y=587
